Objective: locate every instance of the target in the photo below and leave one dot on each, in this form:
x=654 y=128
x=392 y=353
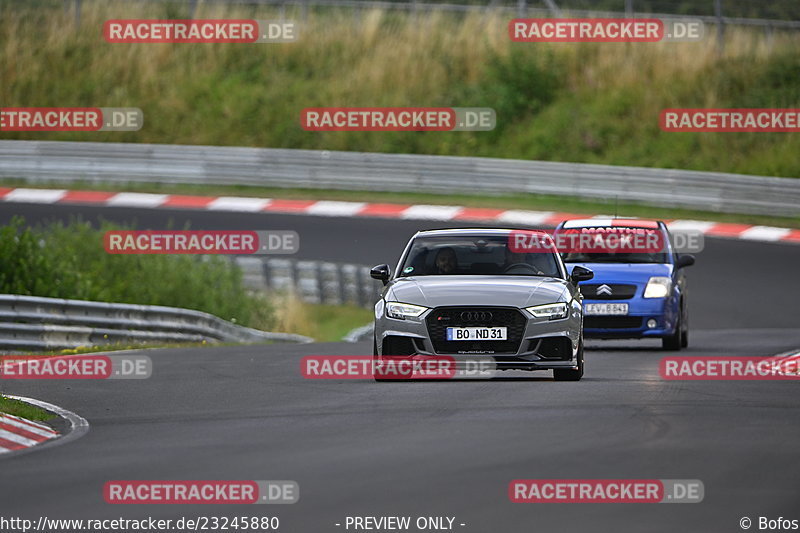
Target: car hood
x=624 y=272
x=513 y=291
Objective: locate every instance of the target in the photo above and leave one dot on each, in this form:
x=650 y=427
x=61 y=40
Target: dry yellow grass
x=601 y=104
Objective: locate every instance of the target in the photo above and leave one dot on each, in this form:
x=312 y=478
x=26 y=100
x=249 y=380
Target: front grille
x=612 y=322
x=618 y=291
x=442 y=318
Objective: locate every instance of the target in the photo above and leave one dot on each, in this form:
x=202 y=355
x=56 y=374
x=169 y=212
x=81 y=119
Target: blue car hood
x=638 y=273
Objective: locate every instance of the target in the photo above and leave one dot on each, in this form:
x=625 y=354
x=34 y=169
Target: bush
x=69 y=261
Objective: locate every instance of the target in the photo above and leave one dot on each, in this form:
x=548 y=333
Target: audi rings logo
x=476 y=316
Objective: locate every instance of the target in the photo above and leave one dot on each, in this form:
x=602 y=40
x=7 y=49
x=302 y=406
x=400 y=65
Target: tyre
x=570 y=374
x=675 y=341
x=685 y=332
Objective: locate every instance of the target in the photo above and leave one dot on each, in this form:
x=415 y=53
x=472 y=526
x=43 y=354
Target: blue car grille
x=610 y=291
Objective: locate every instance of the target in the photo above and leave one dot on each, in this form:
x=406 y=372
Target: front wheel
x=685 y=332
x=571 y=374
x=679 y=339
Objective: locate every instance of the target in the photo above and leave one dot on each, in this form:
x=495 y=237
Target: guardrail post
x=330 y=284
x=357 y=14
x=554 y=10
x=351 y=284
x=358 y=288
x=252 y=269
x=308 y=282
x=720 y=26
x=297 y=279
x=266 y=271
x=341 y=283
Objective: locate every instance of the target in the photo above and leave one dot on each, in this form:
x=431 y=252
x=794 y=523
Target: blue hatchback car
x=633 y=294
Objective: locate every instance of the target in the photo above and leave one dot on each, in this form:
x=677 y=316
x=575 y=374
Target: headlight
x=402 y=311
x=658 y=287
x=552 y=311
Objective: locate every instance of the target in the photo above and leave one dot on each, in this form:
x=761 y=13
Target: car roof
x=465 y=231
x=611 y=223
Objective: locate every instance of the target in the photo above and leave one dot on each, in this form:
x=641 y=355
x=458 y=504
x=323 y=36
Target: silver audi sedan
x=468 y=294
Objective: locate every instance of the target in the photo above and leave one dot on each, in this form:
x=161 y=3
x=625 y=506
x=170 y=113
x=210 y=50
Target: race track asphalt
x=438 y=448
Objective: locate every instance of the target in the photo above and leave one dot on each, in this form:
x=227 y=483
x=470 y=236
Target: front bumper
x=634 y=324
x=544 y=344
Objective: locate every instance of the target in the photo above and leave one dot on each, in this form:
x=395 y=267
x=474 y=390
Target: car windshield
x=636 y=257
x=475 y=255
x=609 y=256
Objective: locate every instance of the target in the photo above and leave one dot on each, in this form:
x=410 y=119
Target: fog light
x=652 y=323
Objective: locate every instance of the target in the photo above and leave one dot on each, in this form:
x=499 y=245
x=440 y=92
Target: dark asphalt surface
x=439 y=448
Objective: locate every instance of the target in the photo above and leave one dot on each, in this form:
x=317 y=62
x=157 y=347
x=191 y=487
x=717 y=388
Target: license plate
x=477 y=334
x=606 y=309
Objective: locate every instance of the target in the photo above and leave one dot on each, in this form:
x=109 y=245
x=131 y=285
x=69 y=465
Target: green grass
x=322 y=322
x=335 y=321
x=532 y=202
x=589 y=102
x=24 y=410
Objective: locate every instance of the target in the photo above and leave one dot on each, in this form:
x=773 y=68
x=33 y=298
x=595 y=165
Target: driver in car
x=446 y=261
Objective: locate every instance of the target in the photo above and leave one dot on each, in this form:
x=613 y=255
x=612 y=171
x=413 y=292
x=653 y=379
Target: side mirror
x=579 y=274
x=684 y=260
x=380 y=272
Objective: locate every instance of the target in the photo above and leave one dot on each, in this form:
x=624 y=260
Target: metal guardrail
x=520 y=8
x=36 y=323
x=360 y=334
x=312 y=281
x=50 y=161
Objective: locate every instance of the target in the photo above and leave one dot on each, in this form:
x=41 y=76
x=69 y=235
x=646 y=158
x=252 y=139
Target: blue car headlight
x=658 y=287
